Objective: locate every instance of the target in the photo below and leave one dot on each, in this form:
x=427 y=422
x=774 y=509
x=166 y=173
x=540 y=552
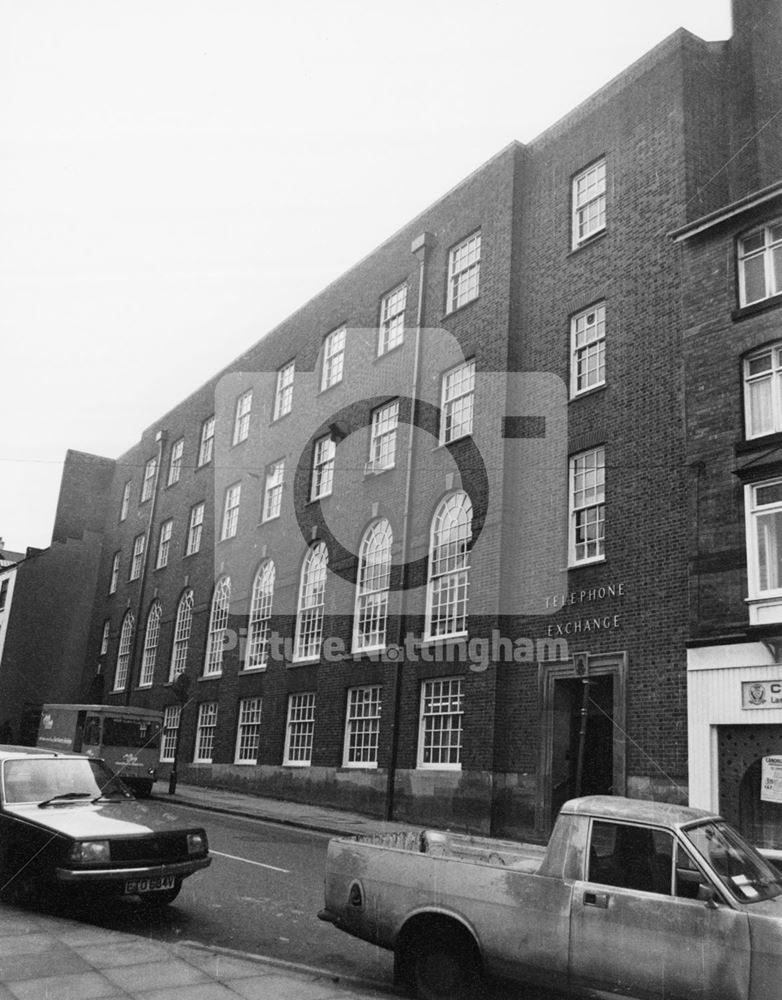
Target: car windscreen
x=119 y=732
x=40 y=779
x=743 y=872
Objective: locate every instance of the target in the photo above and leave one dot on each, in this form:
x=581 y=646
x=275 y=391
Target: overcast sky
x=178 y=176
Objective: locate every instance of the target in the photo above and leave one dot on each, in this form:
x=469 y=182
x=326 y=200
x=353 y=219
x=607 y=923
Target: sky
x=178 y=176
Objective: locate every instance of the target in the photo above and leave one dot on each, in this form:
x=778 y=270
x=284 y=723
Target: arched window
x=123 y=651
x=449 y=566
x=184 y=622
x=258 y=626
x=312 y=599
x=218 y=625
x=151 y=639
x=372 y=585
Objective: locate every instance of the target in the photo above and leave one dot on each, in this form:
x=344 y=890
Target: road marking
x=260 y=864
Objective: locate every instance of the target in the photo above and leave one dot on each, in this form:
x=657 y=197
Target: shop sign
x=761 y=694
x=771 y=780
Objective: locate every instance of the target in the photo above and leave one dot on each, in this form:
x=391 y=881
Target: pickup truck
x=630 y=898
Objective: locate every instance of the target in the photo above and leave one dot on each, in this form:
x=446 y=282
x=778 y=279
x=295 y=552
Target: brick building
x=400 y=543
x=732 y=361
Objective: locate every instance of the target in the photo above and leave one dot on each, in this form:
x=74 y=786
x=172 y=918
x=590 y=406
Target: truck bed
x=464 y=847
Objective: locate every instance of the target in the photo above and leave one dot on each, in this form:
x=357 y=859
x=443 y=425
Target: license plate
x=135 y=885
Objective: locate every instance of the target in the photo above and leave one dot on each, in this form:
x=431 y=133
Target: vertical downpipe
x=421 y=244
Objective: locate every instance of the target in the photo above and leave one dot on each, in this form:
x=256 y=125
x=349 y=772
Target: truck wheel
x=445 y=968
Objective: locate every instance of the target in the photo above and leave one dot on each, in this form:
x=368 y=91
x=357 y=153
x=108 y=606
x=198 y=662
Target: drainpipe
x=160 y=438
x=421 y=244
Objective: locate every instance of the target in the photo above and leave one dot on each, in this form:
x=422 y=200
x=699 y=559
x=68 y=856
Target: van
x=126 y=738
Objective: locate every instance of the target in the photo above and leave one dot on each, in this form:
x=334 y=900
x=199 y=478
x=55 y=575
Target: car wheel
x=445 y=969
x=162 y=898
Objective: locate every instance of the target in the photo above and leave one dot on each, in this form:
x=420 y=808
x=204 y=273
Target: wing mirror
x=707 y=895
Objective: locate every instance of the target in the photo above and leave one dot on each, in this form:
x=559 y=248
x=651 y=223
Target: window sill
x=374 y=473
x=245 y=763
x=771 y=440
x=587 y=392
x=391 y=350
x=744 y=312
x=297 y=763
x=586 y=562
x=765 y=610
x=301 y=661
x=251 y=670
x=588 y=241
x=465 y=305
x=438 y=767
x=210 y=677
x=358 y=767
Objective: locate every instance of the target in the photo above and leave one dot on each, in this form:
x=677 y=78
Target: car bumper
x=97 y=876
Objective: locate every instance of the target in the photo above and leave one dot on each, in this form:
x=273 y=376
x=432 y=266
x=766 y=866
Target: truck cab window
x=631 y=857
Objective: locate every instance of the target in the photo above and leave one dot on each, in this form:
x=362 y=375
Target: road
x=260 y=896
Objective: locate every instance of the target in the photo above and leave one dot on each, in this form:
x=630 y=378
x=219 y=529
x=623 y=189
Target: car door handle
x=599 y=899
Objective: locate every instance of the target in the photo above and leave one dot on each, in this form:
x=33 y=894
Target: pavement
x=51 y=957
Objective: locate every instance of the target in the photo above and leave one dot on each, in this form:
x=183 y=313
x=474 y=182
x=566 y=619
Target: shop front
x=734 y=698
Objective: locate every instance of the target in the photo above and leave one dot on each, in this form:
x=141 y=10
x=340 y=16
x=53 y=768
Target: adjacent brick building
x=400 y=543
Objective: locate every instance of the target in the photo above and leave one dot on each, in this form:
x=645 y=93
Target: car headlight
x=87 y=851
x=196 y=843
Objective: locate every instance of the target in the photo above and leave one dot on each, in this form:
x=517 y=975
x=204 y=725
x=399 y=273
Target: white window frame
x=272 y=490
x=169 y=733
x=457 y=402
x=207 y=441
x=206 y=728
x=248 y=731
x=183 y=625
x=259 y=620
x=244 y=406
x=164 y=543
x=362 y=726
x=382 y=439
x=333 y=369
x=125 y=504
x=324 y=458
x=464 y=272
x=764 y=550
x=195 y=528
x=137 y=559
x=769 y=252
x=768 y=380
x=438 y=696
x=148 y=484
x=373 y=582
x=589 y=202
x=587 y=506
x=114 y=577
x=151 y=642
x=392 y=319
x=175 y=461
x=233 y=497
x=124 y=649
x=311 y=603
x=448 y=586
x=283 y=393
x=218 y=625
x=300 y=729
x=588 y=350
x=104 y=637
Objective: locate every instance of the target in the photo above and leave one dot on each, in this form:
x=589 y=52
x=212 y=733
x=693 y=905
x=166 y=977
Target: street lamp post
x=180 y=688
